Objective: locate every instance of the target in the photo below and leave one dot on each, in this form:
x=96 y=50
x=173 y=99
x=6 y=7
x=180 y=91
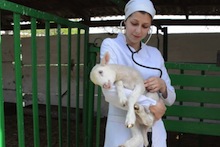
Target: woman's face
x=137 y=27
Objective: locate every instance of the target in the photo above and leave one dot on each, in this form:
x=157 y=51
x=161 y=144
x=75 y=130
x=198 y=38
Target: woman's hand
x=155 y=84
x=159 y=109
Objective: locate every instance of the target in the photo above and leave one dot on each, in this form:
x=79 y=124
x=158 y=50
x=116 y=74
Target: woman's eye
x=134 y=24
x=146 y=27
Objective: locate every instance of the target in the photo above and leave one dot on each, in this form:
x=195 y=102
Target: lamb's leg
x=131 y=117
x=121 y=93
x=137 y=138
x=146 y=118
x=144 y=130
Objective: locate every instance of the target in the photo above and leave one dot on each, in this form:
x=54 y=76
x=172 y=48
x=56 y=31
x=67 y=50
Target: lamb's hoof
x=136 y=107
x=146 y=145
x=121 y=146
x=130 y=125
x=123 y=102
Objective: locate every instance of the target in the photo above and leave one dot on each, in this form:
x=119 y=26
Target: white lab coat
x=116 y=131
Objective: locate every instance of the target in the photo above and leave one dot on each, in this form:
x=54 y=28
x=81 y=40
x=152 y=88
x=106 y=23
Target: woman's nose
x=138 y=29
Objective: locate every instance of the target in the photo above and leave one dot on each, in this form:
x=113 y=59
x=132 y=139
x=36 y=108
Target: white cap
x=139 y=5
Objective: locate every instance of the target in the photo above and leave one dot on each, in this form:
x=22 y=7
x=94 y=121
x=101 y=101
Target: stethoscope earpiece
x=121 y=26
x=150 y=34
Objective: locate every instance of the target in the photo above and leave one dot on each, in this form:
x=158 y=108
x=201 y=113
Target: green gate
x=62 y=64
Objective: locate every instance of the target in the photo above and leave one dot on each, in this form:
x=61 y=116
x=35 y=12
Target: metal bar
x=98 y=118
x=91 y=63
x=90 y=100
x=69 y=87
x=48 y=96
x=85 y=91
x=156 y=22
x=34 y=83
x=165 y=44
x=59 y=84
x=77 y=87
x=93 y=55
x=18 y=80
x=2 y=117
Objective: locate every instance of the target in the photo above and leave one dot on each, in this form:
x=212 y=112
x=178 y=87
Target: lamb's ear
x=105 y=59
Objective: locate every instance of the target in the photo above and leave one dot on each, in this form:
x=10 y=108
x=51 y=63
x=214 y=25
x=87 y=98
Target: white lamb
x=106 y=75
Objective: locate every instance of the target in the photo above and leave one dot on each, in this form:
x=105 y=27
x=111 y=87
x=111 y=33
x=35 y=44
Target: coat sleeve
x=171 y=95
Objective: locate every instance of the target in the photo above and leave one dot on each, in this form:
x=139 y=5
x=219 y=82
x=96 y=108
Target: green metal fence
x=95 y=95
x=77 y=84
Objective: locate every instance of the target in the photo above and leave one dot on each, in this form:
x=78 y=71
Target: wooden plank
x=195 y=80
x=191 y=84
x=192 y=66
x=192 y=127
x=193 y=112
x=200 y=96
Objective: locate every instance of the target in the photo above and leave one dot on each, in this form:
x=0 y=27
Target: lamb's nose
x=107 y=85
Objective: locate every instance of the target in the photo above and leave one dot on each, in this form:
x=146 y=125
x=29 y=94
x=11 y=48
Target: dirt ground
x=192 y=140
x=174 y=139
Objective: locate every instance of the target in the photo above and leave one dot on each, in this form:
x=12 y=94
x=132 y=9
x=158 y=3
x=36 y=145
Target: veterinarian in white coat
x=127 y=49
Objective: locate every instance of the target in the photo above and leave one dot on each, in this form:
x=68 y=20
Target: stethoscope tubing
x=132 y=56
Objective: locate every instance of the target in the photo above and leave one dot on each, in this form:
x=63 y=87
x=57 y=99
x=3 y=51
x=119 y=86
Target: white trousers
x=117 y=133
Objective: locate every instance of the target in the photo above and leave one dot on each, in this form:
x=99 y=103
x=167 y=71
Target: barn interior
x=84 y=11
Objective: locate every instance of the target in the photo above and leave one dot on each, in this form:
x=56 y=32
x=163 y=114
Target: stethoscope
x=132 y=56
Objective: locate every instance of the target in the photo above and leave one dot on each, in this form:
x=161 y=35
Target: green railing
x=197 y=105
x=77 y=82
x=95 y=96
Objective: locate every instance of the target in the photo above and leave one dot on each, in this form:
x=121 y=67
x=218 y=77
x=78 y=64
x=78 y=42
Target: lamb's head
x=102 y=74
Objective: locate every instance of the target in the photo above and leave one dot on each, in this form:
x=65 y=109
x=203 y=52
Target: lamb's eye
x=101 y=72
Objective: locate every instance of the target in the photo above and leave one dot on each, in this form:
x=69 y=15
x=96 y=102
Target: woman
x=127 y=49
